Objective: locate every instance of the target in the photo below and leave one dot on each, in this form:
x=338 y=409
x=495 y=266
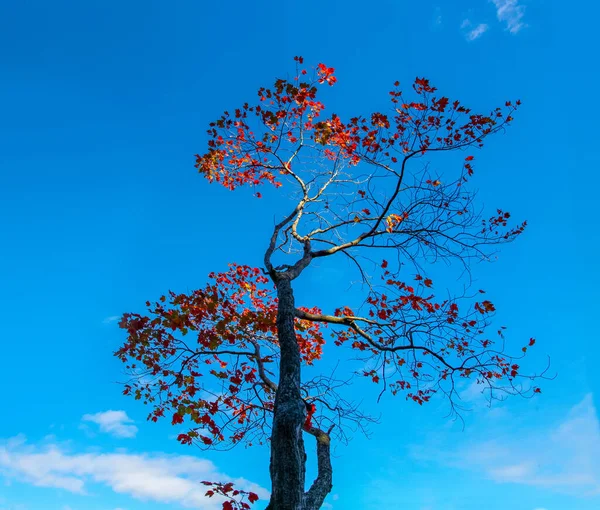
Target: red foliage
x=198 y=352
x=234 y=499
x=288 y=114
x=438 y=336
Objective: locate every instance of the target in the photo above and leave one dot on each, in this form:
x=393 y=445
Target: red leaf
x=184 y=439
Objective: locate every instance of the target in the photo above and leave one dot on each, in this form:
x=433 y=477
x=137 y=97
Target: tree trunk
x=288 y=457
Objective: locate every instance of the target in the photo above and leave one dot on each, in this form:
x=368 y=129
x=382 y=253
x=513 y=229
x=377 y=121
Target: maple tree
x=226 y=360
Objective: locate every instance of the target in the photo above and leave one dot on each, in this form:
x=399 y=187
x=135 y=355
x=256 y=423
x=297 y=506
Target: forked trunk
x=288 y=458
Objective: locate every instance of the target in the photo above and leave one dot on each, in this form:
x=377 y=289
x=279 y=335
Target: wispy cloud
x=437 y=17
x=473 y=32
x=564 y=457
x=477 y=32
x=112 y=318
x=116 y=423
x=159 y=477
x=511 y=13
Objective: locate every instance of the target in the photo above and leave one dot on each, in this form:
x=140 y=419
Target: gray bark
x=288 y=457
x=313 y=499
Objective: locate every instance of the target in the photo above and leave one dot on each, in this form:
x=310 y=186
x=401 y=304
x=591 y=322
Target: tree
x=227 y=358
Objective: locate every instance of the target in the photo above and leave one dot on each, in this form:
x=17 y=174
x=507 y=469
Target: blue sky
x=105 y=104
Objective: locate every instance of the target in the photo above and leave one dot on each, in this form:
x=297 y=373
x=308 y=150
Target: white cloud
x=477 y=32
x=473 y=33
x=112 y=318
x=113 y=422
x=564 y=457
x=511 y=472
x=473 y=393
x=163 y=478
x=511 y=13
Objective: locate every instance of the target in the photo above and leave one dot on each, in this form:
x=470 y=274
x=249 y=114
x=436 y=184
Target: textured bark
x=313 y=499
x=288 y=457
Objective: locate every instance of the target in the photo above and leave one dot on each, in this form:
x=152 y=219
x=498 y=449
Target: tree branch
x=351 y=322
x=313 y=499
